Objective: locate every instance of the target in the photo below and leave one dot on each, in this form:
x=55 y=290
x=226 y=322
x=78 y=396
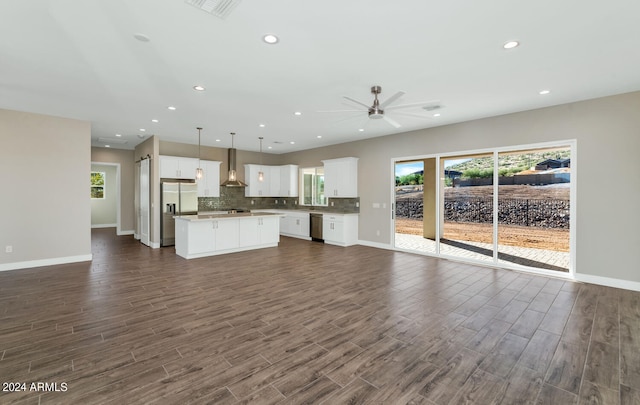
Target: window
x=97 y=185
x=312 y=185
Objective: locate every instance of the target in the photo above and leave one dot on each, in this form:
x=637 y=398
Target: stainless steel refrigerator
x=176 y=198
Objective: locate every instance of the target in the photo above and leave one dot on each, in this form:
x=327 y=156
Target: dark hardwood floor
x=310 y=323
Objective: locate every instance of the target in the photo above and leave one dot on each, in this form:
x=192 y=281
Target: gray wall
x=45 y=210
x=607 y=131
x=125 y=158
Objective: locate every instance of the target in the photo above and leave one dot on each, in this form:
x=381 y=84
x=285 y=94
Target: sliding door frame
x=571 y=143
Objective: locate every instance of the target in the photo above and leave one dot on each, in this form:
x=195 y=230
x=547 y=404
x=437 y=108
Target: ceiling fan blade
x=357 y=102
x=339 y=111
x=406 y=114
x=420 y=104
x=392 y=122
x=349 y=119
x=392 y=99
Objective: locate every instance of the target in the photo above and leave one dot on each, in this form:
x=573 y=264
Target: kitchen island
x=215 y=234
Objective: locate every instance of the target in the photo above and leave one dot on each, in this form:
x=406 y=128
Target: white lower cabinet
x=341 y=230
x=227 y=234
x=259 y=231
x=294 y=224
x=209 y=236
x=201 y=237
x=196 y=237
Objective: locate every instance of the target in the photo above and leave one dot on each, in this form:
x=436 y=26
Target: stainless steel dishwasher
x=316 y=226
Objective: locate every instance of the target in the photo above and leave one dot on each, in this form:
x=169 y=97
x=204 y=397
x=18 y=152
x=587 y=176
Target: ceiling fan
x=377 y=110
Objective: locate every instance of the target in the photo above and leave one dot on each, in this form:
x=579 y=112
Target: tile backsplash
x=233 y=198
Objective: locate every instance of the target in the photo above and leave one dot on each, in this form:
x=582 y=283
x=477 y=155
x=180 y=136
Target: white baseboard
x=609 y=282
x=45 y=262
x=585 y=278
x=375 y=244
x=154 y=245
x=104 y=226
x=131 y=232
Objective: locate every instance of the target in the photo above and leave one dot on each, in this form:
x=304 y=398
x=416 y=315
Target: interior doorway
x=105 y=195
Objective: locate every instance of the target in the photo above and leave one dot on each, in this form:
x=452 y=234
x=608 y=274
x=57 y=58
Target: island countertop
x=222 y=216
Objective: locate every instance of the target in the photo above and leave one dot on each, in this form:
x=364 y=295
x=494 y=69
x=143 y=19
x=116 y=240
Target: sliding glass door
x=415 y=201
x=467 y=220
x=534 y=205
x=506 y=206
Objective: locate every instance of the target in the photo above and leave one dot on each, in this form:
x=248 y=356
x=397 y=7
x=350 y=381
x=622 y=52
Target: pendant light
x=232 y=165
x=261 y=173
x=199 y=171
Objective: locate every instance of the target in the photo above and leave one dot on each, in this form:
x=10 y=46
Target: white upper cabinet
x=272 y=175
x=279 y=181
x=175 y=167
x=289 y=181
x=341 y=177
x=209 y=184
x=255 y=187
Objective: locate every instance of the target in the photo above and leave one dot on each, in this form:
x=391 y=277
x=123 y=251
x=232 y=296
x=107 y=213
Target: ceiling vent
x=219 y=8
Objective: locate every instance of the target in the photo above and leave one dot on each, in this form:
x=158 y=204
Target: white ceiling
x=79 y=59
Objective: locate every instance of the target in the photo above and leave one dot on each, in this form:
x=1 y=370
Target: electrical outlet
x=276 y=201
x=284 y=202
x=8 y=249
x=357 y=204
x=378 y=232
x=332 y=203
x=252 y=202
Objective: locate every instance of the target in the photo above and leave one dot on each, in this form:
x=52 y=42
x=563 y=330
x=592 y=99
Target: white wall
x=607 y=131
x=104 y=211
x=45 y=211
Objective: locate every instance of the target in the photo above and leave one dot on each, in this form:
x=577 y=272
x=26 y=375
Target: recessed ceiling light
x=261 y=125
x=297 y=113
x=361 y=130
x=156 y=121
x=118 y=135
x=217 y=140
x=141 y=37
x=142 y=129
x=269 y=147
x=319 y=136
x=270 y=39
x=436 y=115
x=543 y=92
x=510 y=44
x=199 y=88
x=292 y=143
x=172 y=108
x=107 y=146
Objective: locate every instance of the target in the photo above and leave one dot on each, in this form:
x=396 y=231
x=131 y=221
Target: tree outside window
x=97 y=185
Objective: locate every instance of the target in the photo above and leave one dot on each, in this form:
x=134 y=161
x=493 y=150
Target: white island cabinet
x=209 y=235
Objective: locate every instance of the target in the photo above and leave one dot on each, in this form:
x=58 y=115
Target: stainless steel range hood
x=232 y=181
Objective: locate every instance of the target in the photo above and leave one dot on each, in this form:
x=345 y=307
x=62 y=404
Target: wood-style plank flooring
x=307 y=323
